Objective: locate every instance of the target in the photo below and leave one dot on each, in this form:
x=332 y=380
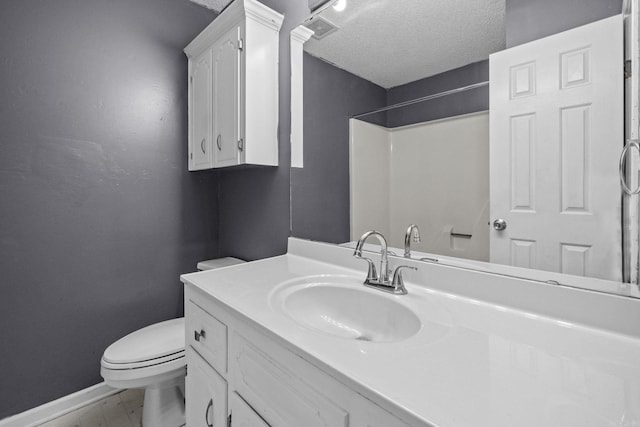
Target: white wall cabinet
x=233 y=88
x=265 y=383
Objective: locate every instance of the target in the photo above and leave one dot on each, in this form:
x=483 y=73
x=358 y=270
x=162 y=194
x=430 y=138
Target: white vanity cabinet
x=267 y=382
x=233 y=88
x=243 y=414
x=206 y=404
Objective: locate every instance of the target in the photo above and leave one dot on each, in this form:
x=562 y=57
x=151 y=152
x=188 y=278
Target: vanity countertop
x=491 y=361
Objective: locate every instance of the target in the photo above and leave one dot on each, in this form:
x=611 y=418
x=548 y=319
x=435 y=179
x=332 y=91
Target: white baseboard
x=56 y=408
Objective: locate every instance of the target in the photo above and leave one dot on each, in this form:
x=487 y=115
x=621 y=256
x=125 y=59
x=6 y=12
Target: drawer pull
x=206 y=413
x=197 y=335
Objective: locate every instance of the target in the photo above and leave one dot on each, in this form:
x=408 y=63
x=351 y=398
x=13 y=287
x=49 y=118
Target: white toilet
x=153 y=358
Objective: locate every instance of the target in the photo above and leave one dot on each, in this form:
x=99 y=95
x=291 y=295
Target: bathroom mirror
x=370 y=55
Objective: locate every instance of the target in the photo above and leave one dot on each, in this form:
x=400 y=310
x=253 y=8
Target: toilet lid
x=152 y=342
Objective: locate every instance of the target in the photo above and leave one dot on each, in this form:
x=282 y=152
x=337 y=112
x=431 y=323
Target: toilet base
x=164 y=404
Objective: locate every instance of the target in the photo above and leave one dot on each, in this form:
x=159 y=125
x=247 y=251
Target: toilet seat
x=147 y=346
x=142 y=363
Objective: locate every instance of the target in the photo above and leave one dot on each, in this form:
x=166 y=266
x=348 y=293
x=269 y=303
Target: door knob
x=499 y=224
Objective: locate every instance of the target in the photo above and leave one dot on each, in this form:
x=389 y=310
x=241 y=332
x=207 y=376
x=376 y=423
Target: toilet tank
x=212 y=264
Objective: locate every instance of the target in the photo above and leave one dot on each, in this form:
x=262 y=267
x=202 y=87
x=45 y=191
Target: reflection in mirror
x=428 y=163
x=443 y=184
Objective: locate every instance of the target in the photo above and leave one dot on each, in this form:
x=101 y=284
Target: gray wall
x=254 y=203
x=331 y=97
x=99 y=215
x=314 y=4
x=466 y=102
x=528 y=20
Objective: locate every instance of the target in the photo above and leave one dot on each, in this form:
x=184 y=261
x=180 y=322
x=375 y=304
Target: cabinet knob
x=206 y=413
x=197 y=335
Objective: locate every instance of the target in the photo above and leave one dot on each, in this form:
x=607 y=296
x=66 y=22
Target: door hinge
x=229 y=421
x=240 y=44
x=627 y=68
x=241 y=144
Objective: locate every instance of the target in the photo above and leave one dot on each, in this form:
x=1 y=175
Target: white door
x=226 y=68
x=556 y=126
x=631 y=207
x=200 y=114
x=242 y=415
x=206 y=393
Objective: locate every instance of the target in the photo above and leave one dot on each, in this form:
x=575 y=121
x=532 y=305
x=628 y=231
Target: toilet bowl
x=153 y=358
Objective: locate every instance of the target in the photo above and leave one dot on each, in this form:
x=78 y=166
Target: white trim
x=56 y=408
x=233 y=14
x=298 y=37
x=631 y=210
x=263 y=14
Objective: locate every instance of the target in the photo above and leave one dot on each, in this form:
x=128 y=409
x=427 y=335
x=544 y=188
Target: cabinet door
x=206 y=394
x=226 y=94
x=242 y=415
x=200 y=114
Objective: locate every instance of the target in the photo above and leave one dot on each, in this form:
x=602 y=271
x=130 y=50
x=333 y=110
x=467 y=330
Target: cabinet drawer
x=207 y=335
x=281 y=397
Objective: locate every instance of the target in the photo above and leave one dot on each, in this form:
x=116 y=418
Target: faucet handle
x=372 y=275
x=398 y=281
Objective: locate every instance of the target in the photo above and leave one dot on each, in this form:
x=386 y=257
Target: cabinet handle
x=202 y=146
x=241 y=144
x=206 y=413
x=219 y=142
x=197 y=335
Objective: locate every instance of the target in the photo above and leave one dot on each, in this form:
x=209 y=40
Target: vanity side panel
x=281 y=397
x=286 y=390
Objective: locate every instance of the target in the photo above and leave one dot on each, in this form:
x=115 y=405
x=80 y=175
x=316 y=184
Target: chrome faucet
x=372 y=276
x=412 y=230
x=381 y=282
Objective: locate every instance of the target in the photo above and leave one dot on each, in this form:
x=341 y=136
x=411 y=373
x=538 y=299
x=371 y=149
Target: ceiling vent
x=321 y=27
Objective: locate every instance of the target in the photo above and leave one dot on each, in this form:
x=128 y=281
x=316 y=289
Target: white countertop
x=475 y=362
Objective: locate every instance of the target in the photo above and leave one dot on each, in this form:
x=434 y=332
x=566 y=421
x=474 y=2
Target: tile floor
x=123 y=409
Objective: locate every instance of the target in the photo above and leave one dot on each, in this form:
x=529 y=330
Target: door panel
x=200 y=149
x=556 y=133
x=225 y=104
x=243 y=415
x=206 y=393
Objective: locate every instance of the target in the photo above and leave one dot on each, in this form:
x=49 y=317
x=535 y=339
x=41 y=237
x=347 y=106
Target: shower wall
x=434 y=174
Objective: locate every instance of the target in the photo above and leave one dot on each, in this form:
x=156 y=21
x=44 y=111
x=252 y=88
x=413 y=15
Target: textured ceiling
x=216 y=5
x=393 y=42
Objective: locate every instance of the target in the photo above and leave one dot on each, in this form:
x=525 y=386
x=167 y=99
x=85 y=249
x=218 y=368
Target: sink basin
x=341 y=306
